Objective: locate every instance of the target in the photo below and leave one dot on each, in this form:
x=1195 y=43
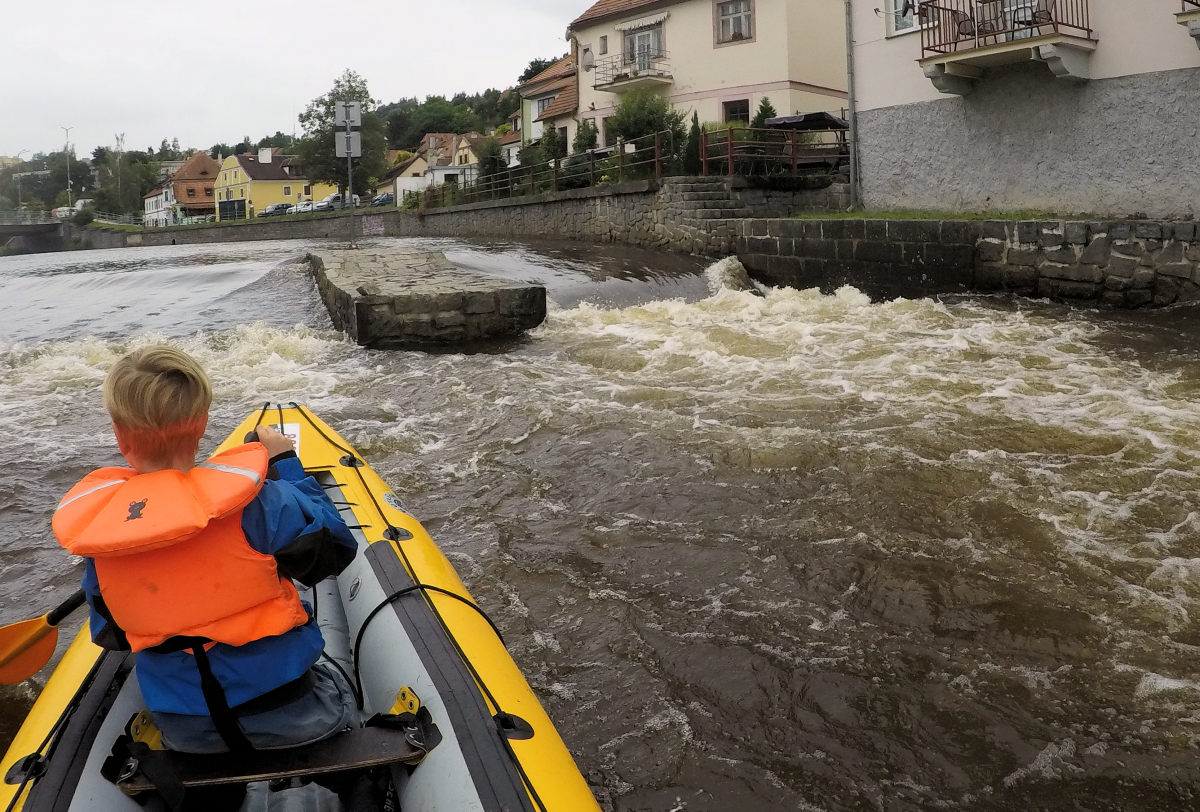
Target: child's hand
x=275 y=442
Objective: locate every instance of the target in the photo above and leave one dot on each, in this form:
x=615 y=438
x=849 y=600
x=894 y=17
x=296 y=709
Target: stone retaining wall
x=672 y=216
x=1123 y=263
x=1119 y=263
x=396 y=299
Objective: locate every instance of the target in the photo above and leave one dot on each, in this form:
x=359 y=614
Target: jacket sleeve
x=105 y=631
x=293 y=520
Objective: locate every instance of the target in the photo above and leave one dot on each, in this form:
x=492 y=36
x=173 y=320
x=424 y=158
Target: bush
x=576 y=172
x=83 y=217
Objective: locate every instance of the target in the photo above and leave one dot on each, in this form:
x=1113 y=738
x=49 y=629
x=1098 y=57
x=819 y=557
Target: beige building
x=719 y=58
x=1071 y=106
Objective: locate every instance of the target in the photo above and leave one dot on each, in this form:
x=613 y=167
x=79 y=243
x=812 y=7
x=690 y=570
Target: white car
x=334 y=201
x=301 y=207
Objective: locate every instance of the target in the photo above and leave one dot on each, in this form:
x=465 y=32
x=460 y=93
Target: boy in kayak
x=190 y=566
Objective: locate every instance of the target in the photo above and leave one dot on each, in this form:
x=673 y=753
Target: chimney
x=264 y=155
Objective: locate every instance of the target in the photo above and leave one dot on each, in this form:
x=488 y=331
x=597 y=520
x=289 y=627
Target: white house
x=1069 y=106
x=157 y=207
x=719 y=58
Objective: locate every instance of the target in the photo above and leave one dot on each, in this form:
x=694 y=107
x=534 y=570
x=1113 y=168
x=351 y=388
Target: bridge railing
x=119 y=219
x=25 y=217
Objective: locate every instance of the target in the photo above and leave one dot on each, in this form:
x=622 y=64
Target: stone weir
x=421 y=300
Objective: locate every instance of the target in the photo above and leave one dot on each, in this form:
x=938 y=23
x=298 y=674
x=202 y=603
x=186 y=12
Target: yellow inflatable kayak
x=461 y=730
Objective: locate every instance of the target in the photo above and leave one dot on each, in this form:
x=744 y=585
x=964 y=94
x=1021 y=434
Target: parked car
x=385 y=199
x=301 y=207
x=333 y=201
x=274 y=209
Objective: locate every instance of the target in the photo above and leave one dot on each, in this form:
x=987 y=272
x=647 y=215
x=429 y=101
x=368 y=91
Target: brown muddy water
x=797 y=551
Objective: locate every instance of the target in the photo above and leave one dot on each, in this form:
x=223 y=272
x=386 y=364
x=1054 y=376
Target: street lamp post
x=67 y=149
x=18 y=176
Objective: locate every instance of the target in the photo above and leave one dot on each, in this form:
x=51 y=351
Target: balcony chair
x=968 y=28
x=1044 y=14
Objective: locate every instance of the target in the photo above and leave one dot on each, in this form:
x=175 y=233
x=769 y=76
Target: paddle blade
x=24 y=648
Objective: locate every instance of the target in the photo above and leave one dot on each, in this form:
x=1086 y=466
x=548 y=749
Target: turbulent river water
x=783 y=552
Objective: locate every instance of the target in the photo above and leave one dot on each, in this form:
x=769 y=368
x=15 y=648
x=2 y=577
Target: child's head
x=158 y=398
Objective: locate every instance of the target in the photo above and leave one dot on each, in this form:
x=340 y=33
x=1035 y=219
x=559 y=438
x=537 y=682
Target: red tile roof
x=565 y=102
x=616 y=8
x=197 y=173
x=563 y=67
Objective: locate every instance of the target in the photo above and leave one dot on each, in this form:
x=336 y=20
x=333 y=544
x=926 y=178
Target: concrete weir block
x=413 y=300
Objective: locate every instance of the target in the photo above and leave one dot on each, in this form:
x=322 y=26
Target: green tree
x=317 y=150
x=586 y=137
x=535 y=67
x=279 y=139
x=219 y=151
x=552 y=146
x=691 y=151
x=491 y=157
x=639 y=115
x=764 y=112
x=642 y=112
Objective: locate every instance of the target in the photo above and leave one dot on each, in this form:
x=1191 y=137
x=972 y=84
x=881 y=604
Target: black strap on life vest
x=222 y=715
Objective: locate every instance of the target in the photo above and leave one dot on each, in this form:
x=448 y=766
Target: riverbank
x=1112 y=263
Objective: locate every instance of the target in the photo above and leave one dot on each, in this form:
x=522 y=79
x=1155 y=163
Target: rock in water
x=730 y=274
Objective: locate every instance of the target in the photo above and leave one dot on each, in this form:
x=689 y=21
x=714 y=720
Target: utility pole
x=120 y=150
x=67 y=149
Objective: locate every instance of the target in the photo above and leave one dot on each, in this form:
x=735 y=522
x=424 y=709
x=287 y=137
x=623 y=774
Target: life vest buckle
x=141 y=728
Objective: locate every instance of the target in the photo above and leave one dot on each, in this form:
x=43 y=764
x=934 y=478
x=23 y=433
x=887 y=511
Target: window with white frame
x=604 y=44
x=542 y=104
x=901 y=16
x=643 y=44
x=735 y=21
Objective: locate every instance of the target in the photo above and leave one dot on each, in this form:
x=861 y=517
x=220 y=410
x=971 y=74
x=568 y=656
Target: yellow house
x=248 y=183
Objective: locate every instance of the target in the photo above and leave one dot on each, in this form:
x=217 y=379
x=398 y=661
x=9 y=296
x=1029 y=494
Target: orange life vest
x=170 y=553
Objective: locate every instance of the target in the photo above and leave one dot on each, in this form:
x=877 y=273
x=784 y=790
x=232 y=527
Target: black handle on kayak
x=59 y=613
x=251 y=437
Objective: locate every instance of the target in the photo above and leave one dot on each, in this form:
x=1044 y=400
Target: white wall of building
x=796 y=58
x=1131 y=41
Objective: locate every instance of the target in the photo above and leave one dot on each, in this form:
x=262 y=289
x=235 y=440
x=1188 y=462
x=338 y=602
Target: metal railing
x=754 y=152
x=952 y=26
x=119 y=219
x=652 y=156
x=1195 y=5
x=23 y=217
x=626 y=67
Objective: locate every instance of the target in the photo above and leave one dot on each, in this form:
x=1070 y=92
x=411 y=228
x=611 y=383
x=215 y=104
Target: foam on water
x=835 y=524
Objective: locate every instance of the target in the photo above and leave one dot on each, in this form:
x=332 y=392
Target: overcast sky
x=212 y=72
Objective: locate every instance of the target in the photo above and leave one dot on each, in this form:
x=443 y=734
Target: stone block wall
x=1122 y=263
x=883 y=258
x=673 y=215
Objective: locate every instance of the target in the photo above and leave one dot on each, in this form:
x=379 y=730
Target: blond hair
x=158 y=398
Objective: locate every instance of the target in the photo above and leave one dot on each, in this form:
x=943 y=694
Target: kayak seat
x=139 y=764
x=355 y=750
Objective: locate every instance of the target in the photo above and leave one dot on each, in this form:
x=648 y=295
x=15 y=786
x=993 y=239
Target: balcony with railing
x=962 y=38
x=1189 y=18
x=646 y=68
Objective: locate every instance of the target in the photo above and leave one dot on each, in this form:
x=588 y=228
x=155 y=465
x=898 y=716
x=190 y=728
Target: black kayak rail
x=508 y=726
